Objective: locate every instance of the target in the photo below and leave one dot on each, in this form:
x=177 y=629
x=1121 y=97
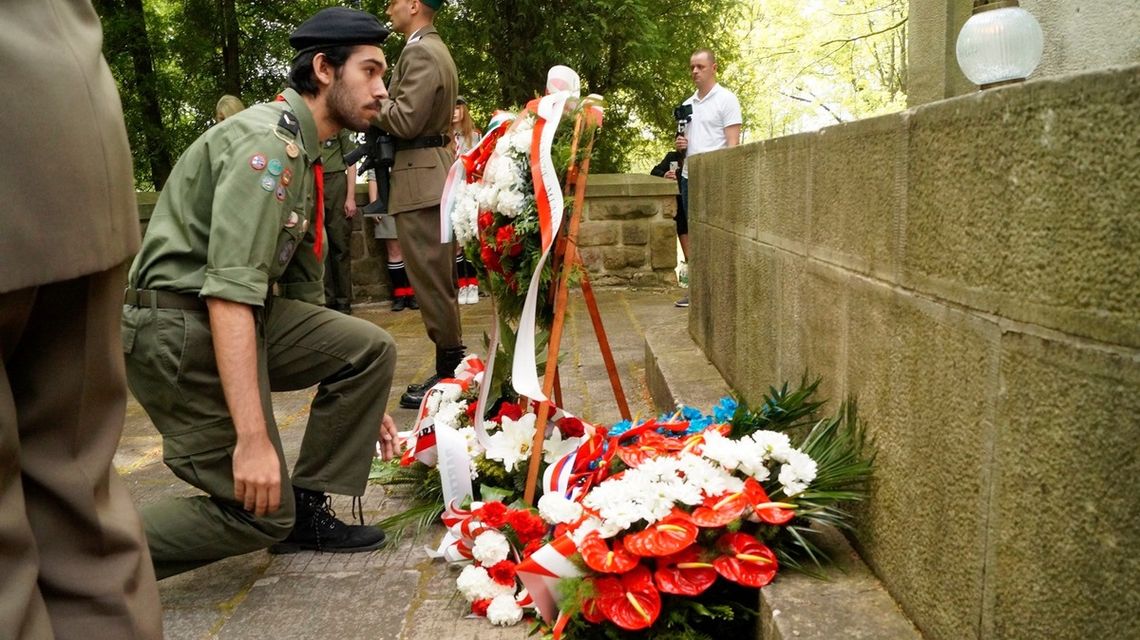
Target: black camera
x=683 y=114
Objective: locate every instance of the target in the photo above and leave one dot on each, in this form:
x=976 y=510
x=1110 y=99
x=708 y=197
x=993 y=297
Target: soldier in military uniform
x=224 y=305
x=418 y=114
x=340 y=209
x=73 y=560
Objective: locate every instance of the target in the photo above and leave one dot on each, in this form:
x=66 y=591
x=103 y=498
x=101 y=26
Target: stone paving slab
x=393 y=593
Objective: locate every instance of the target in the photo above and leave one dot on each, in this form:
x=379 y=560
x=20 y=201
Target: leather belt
x=422 y=142
x=163 y=299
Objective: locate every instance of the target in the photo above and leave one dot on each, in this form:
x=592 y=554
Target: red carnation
x=509 y=410
x=492 y=514
x=571 y=427
x=479 y=607
x=485 y=220
x=505 y=236
x=503 y=572
x=532 y=546
x=527 y=526
x=490 y=258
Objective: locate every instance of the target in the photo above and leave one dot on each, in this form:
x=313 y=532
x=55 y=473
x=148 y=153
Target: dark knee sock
x=399 y=277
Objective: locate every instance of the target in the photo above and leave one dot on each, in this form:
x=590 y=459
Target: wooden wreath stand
x=565 y=259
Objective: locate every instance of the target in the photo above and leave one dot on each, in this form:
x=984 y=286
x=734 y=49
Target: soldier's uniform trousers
x=338 y=233
x=172 y=369
x=73 y=561
x=431 y=269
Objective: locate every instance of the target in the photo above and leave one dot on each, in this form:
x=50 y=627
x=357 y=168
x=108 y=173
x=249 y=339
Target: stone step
x=849 y=602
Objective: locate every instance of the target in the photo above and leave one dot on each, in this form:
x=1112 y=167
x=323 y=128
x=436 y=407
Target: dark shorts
x=682 y=218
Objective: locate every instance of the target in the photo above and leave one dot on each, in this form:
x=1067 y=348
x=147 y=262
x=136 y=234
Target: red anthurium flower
x=631 y=601
x=747 y=561
x=650 y=445
x=592 y=612
x=599 y=557
x=718 y=511
x=764 y=508
x=683 y=573
x=667 y=536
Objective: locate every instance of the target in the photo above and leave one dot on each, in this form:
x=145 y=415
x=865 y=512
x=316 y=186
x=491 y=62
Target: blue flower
x=690 y=413
x=619 y=428
x=725 y=409
x=699 y=424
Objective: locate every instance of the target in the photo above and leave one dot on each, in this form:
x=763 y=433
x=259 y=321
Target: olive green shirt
x=334 y=149
x=235 y=216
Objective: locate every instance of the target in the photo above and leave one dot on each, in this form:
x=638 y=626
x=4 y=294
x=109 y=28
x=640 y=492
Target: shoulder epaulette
x=289 y=122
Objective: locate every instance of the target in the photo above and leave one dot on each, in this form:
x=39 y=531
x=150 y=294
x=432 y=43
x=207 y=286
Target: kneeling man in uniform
x=225 y=304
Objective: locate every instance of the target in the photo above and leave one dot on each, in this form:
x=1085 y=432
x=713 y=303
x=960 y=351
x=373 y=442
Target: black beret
x=337 y=27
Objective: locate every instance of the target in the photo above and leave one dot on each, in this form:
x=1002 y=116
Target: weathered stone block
x=618 y=258
x=926 y=379
x=634 y=232
x=356 y=245
x=663 y=245
x=858 y=186
x=624 y=208
x=593 y=234
x=1064 y=523
x=1018 y=205
x=753 y=308
x=593 y=258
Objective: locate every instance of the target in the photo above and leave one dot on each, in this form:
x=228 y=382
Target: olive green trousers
x=172 y=370
x=73 y=561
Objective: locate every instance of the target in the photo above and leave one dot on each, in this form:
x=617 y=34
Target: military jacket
x=235 y=215
x=334 y=149
x=421 y=100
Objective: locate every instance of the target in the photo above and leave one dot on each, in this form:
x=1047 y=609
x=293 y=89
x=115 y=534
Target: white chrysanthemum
x=449 y=413
x=520 y=140
x=490 y=547
x=502 y=147
x=488 y=197
x=556 y=509
x=753 y=458
x=512 y=444
x=450 y=391
x=721 y=450
x=797 y=473
x=709 y=477
x=504 y=611
x=511 y=203
x=775 y=445
x=474 y=583
x=465 y=217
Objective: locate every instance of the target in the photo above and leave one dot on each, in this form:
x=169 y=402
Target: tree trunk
x=231 y=64
x=157 y=149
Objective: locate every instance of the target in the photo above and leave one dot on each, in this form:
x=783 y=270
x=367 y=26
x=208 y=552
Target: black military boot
x=446 y=360
x=318 y=529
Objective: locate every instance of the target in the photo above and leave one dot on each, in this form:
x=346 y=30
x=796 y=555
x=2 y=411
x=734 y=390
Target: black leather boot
x=318 y=529
x=446 y=360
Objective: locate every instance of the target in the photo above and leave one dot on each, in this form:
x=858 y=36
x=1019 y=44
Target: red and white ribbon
x=541 y=572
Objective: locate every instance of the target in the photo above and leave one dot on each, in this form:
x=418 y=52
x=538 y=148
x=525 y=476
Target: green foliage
x=780 y=410
x=418 y=484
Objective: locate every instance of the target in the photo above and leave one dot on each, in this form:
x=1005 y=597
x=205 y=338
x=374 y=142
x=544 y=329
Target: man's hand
x=350 y=209
x=389 y=440
x=681 y=143
x=670 y=174
x=257 y=475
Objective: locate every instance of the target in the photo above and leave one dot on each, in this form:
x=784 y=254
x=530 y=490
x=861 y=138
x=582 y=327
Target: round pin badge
x=275 y=167
x=280 y=193
x=291 y=150
x=257 y=161
x=286 y=177
x=291 y=221
x=268 y=183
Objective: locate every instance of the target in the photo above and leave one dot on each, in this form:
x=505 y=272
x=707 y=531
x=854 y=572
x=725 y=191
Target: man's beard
x=342 y=109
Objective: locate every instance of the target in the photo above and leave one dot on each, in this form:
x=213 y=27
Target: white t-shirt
x=705 y=132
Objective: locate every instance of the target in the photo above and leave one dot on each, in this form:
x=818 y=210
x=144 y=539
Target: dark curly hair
x=301 y=76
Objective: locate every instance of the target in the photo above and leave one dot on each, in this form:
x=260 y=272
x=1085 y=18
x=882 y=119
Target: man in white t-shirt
x=715 y=124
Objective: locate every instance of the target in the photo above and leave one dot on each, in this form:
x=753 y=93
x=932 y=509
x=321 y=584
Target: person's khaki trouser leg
x=431 y=268
x=338 y=233
x=72 y=555
x=173 y=373
x=353 y=360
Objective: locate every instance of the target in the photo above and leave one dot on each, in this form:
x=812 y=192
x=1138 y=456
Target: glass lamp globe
x=999 y=45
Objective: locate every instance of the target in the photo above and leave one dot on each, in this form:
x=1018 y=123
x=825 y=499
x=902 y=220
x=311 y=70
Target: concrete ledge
x=850 y=602
x=614 y=185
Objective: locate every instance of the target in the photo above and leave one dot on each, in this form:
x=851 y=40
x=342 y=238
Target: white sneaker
x=465 y=294
x=472 y=294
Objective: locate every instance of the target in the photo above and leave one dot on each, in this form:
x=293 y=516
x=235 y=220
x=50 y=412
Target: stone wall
x=627 y=235
x=970 y=270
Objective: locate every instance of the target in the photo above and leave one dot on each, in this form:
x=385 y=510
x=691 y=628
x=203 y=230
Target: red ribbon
x=319 y=178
